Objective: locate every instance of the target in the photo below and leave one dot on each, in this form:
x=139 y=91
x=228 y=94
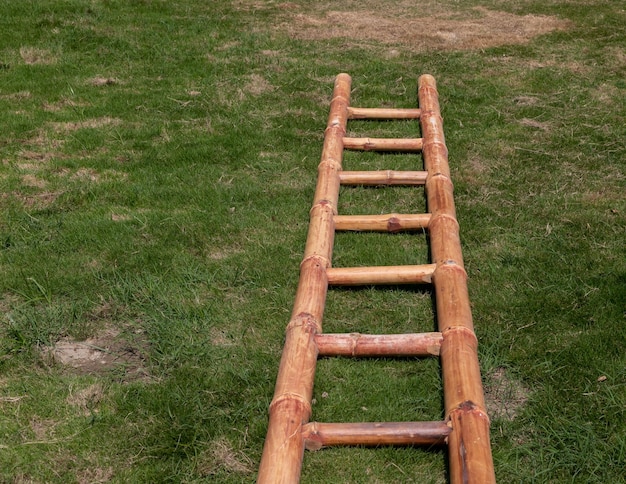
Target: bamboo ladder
x=465 y=428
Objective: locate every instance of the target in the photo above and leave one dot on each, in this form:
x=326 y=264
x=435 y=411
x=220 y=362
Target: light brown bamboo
x=469 y=446
x=318 y=435
x=383 y=144
x=363 y=276
x=392 y=222
x=383 y=113
x=281 y=461
x=386 y=177
x=378 y=345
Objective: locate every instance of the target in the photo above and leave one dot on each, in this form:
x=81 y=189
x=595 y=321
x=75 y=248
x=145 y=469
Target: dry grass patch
x=405 y=25
x=94 y=475
x=33 y=181
x=87 y=399
x=88 y=123
x=222 y=457
x=39 y=201
x=17 y=96
x=100 y=81
x=62 y=104
x=257 y=85
x=43 y=429
x=533 y=123
x=33 y=55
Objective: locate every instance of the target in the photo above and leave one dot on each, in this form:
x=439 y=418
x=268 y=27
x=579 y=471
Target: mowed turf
x=158 y=166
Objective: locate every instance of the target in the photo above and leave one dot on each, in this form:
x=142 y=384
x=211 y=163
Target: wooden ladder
x=465 y=428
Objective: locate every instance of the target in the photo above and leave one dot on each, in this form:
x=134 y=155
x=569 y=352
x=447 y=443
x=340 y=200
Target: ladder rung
x=383 y=144
x=383 y=113
x=360 y=276
x=378 y=345
x=392 y=222
x=383 y=177
x=317 y=435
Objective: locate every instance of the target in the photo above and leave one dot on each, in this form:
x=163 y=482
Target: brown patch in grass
x=62 y=104
x=102 y=354
x=39 y=200
x=533 y=123
x=33 y=181
x=88 y=123
x=99 y=81
x=34 y=156
x=17 y=96
x=526 y=100
x=257 y=85
x=42 y=428
x=504 y=396
x=219 y=337
x=86 y=174
x=120 y=217
x=87 y=399
x=402 y=24
x=33 y=55
x=222 y=457
x=94 y=475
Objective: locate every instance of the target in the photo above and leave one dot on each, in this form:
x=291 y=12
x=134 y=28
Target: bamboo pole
x=318 y=435
x=383 y=177
x=281 y=461
x=392 y=222
x=383 y=144
x=469 y=447
x=378 y=345
x=383 y=113
x=363 y=276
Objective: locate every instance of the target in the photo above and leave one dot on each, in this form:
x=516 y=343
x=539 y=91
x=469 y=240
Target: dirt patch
x=401 y=24
x=504 y=396
x=106 y=353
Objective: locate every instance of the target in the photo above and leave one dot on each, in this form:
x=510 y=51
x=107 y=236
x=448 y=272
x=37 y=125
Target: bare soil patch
x=107 y=352
x=505 y=397
x=407 y=25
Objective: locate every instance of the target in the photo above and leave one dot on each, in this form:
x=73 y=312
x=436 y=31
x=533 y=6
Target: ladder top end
x=343 y=77
x=426 y=80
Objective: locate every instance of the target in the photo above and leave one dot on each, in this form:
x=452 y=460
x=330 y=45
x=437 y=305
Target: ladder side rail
x=469 y=451
x=290 y=409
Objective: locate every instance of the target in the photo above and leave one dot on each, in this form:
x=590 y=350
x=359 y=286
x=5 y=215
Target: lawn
x=158 y=166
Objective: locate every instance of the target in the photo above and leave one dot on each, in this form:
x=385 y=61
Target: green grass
x=158 y=165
